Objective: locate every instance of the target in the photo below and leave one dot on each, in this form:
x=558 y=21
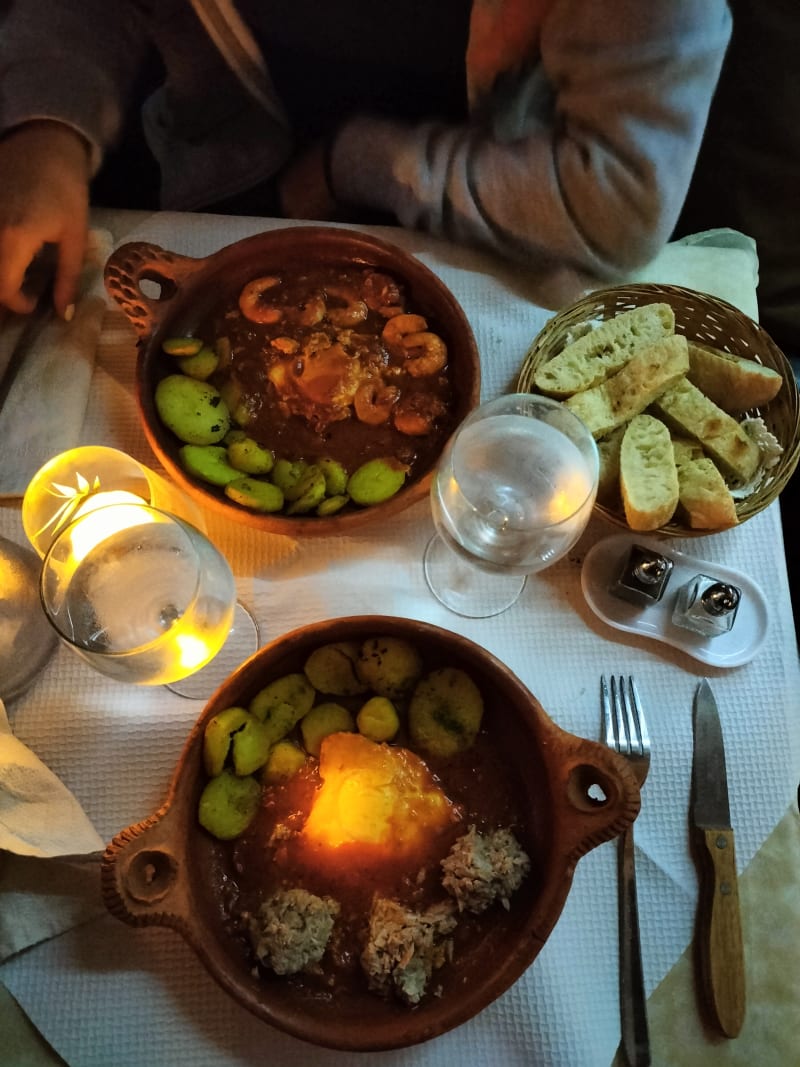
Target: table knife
x=718 y=932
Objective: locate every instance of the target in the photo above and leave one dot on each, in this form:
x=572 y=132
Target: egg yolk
x=377 y=796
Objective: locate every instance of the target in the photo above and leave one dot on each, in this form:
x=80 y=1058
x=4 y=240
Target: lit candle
x=103 y=521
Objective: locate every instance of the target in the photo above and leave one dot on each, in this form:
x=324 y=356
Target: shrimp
x=373 y=401
x=424 y=352
x=311 y=311
x=399 y=325
x=354 y=310
x=415 y=415
x=382 y=294
x=252 y=304
x=432 y=357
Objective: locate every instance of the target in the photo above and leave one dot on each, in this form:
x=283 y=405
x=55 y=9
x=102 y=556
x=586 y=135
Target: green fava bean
x=331 y=504
x=182 y=346
x=254 y=494
x=285 y=760
x=209 y=463
x=376 y=480
x=332 y=669
x=323 y=720
x=287 y=473
x=280 y=721
x=389 y=666
x=194 y=411
x=308 y=493
x=228 y=804
x=378 y=719
x=201 y=365
x=218 y=736
x=251 y=746
x=445 y=712
x=293 y=689
x=248 y=455
x=335 y=476
x=231 y=392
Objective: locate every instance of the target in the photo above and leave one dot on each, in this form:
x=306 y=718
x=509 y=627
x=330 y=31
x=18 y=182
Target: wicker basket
x=712 y=321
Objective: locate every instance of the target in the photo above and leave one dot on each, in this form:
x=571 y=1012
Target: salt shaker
x=706 y=606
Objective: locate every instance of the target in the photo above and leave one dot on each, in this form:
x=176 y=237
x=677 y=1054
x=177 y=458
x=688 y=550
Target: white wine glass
x=144 y=597
x=512 y=493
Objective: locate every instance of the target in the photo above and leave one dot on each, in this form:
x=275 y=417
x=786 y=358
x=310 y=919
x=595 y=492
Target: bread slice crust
x=601 y=352
x=644 y=377
x=648 y=477
x=733 y=383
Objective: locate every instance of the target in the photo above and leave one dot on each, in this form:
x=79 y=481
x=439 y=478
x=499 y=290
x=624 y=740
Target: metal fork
x=625 y=730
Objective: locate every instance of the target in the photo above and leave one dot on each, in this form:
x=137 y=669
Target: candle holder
x=89 y=477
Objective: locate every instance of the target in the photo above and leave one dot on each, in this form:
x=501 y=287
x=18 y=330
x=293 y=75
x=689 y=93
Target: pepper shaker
x=643 y=577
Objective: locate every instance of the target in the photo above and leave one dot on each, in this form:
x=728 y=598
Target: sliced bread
x=608 y=449
x=702 y=493
x=648 y=477
x=644 y=377
x=604 y=350
x=689 y=413
x=734 y=383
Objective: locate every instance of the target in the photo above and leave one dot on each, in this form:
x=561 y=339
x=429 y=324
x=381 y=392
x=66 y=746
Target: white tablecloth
x=107 y=994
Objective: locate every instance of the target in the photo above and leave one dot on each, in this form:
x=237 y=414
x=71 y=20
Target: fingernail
x=69 y=313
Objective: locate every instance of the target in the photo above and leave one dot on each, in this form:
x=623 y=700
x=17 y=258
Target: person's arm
x=66 y=70
x=599 y=181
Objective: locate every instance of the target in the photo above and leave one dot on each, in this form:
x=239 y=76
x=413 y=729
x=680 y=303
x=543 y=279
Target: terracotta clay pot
x=573 y=794
x=190 y=288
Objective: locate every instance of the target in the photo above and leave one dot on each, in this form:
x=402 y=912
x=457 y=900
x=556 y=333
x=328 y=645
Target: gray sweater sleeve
x=585 y=158
x=74 y=61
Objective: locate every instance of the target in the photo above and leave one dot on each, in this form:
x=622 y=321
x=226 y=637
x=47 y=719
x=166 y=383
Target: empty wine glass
x=513 y=491
x=144 y=597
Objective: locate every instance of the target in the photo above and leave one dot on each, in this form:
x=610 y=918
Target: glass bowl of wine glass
x=141 y=595
x=512 y=493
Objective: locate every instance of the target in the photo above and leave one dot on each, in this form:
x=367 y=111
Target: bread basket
x=712 y=321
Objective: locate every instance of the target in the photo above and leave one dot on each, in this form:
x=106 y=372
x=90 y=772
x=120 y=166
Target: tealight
x=91 y=477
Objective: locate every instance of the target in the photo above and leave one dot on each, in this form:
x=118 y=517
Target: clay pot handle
x=142 y=875
x=596 y=795
x=139 y=261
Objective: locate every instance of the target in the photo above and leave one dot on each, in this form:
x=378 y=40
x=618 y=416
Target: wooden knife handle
x=719 y=931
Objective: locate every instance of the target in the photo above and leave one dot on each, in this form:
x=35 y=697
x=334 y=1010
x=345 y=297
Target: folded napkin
x=722 y=262
x=49 y=851
x=39 y=816
x=44 y=411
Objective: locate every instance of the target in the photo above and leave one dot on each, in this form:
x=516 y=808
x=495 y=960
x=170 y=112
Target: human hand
x=44 y=178
x=304 y=190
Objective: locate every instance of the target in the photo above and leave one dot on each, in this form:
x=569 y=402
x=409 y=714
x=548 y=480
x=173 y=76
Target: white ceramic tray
x=603 y=564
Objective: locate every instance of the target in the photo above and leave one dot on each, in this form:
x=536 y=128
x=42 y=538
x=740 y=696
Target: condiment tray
x=604 y=563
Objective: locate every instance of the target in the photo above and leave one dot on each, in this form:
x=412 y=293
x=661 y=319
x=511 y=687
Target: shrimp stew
x=328 y=364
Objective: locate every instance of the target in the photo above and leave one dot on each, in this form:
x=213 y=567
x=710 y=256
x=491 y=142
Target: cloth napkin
x=39 y=816
x=44 y=411
x=49 y=880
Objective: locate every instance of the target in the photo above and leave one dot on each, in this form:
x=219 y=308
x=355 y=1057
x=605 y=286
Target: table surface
x=105 y=993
